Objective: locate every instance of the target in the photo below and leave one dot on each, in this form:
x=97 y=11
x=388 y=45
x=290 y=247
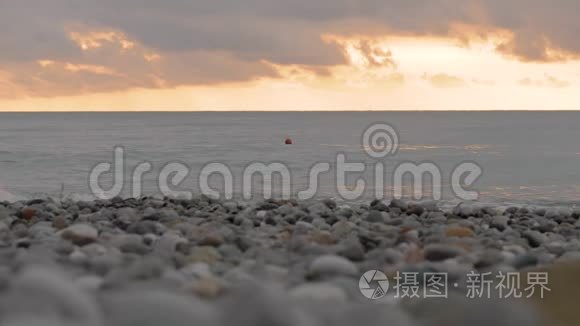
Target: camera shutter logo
x=373 y=284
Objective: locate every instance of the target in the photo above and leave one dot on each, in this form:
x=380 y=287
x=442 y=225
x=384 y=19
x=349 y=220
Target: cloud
x=483 y=82
x=111 y=61
x=373 y=55
x=175 y=42
x=286 y=31
x=8 y=90
x=443 y=80
x=395 y=79
x=547 y=81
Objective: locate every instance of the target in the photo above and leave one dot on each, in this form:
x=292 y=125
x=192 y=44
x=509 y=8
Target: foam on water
x=9 y=197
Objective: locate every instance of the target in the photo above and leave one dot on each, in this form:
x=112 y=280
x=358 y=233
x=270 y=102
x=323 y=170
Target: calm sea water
x=526 y=156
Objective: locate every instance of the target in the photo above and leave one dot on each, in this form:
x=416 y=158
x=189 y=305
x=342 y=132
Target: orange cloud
x=483 y=82
x=443 y=80
x=534 y=49
x=547 y=81
x=8 y=90
x=318 y=53
x=468 y=34
x=90 y=40
x=111 y=61
x=73 y=67
x=374 y=55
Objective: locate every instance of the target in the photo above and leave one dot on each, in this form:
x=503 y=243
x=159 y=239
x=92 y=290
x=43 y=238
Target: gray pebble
x=38 y=291
x=374 y=216
x=397 y=203
x=457 y=310
x=352 y=249
x=80 y=234
x=499 y=222
x=324 y=292
x=330 y=265
x=535 y=238
x=154 y=308
x=440 y=252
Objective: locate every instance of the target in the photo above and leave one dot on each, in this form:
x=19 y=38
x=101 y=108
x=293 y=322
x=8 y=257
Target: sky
x=89 y=55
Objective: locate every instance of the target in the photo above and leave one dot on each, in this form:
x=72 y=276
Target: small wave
x=80 y=197
x=338 y=145
x=468 y=147
x=5 y=195
x=10 y=197
x=408 y=147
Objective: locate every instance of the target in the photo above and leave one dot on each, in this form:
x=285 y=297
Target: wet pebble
x=330 y=265
x=80 y=234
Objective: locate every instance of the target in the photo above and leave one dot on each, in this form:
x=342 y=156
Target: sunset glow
x=467 y=66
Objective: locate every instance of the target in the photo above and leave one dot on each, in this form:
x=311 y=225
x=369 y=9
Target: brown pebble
x=212 y=239
x=284 y=236
x=59 y=223
x=460 y=232
x=204 y=254
x=414 y=254
x=322 y=238
x=27 y=213
x=208 y=288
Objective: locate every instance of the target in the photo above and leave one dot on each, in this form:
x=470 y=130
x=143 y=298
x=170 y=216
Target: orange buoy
x=288 y=141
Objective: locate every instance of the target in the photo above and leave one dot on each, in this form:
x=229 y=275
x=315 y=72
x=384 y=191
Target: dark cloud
x=232 y=40
x=29 y=31
x=131 y=70
x=543 y=30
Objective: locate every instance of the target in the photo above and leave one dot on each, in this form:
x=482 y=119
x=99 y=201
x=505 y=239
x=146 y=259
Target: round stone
x=440 y=252
x=27 y=213
x=324 y=292
x=42 y=291
x=331 y=265
x=154 y=308
x=375 y=216
x=80 y=234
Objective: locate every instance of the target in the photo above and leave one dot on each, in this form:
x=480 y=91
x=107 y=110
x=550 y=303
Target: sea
x=526 y=158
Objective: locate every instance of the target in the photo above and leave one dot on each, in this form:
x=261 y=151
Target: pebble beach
x=160 y=261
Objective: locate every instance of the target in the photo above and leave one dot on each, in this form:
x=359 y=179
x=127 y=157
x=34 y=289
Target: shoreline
x=444 y=204
x=133 y=260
